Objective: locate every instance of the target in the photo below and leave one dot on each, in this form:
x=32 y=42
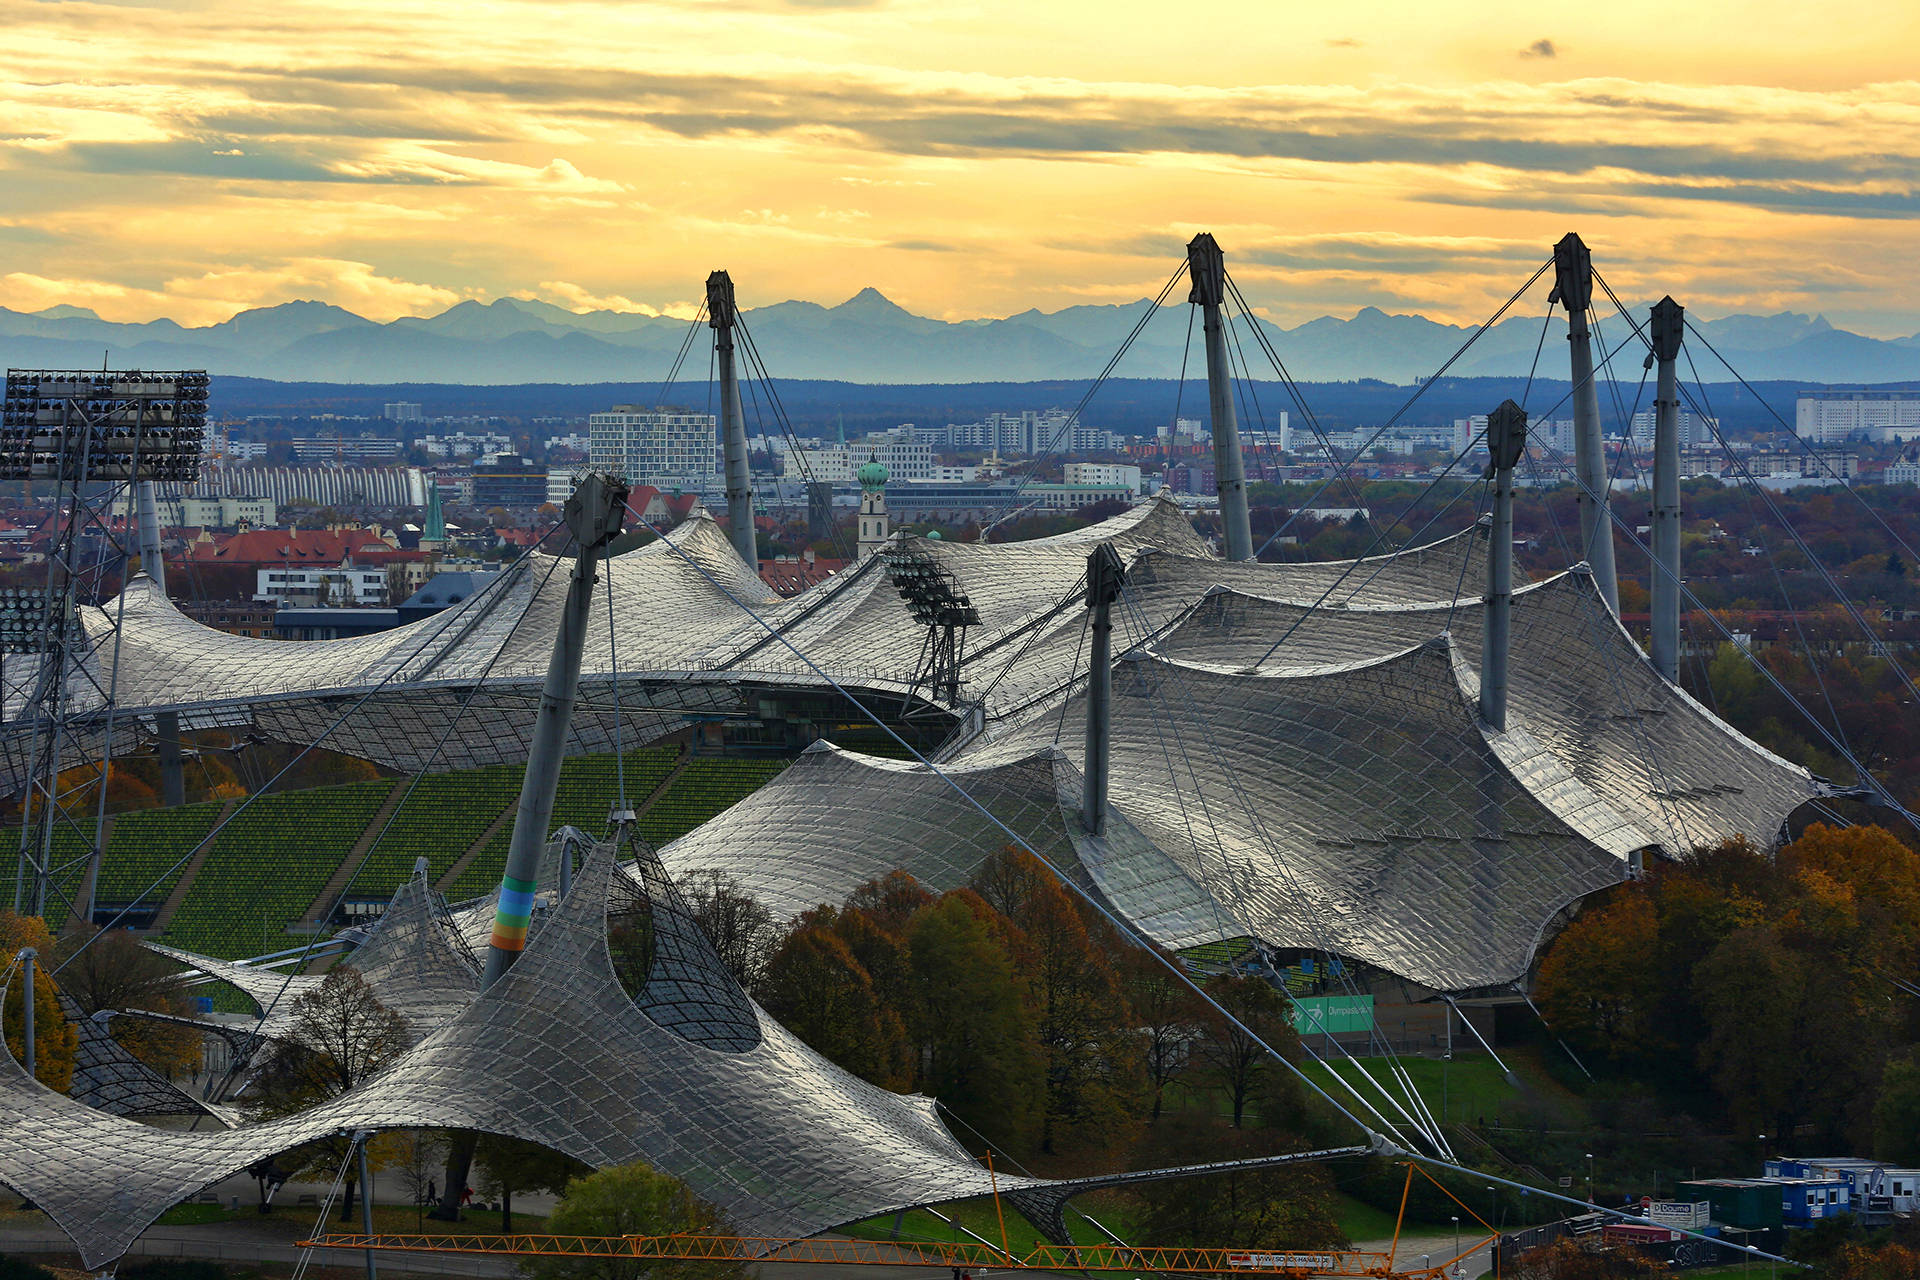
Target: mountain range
x=870 y=339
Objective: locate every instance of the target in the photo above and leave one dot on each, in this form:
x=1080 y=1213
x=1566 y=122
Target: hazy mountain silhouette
x=869 y=338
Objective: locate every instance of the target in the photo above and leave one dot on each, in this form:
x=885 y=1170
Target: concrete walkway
x=1436 y=1249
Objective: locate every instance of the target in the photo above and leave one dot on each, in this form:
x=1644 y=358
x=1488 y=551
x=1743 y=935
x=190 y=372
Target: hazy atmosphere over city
x=191 y=160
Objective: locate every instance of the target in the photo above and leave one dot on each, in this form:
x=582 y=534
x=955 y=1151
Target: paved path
x=1438 y=1248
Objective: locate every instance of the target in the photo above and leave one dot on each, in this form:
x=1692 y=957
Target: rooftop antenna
x=1573 y=289
x=733 y=423
x=1207 y=269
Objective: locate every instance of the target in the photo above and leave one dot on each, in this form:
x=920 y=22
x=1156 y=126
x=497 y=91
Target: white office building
x=403 y=411
x=1901 y=473
x=1832 y=417
x=1694 y=429
x=1103 y=473
x=347 y=588
x=655 y=446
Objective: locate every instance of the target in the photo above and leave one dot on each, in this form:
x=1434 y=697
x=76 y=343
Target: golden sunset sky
x=966 y=157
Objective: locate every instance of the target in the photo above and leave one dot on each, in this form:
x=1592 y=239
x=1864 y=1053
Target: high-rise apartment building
x=652 y=446
x=1832 y=417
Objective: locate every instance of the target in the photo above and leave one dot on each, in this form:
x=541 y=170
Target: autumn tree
x=742 y=931
x=1089 y=1058
x=974 y=1033
x=54 y=1041
x=1165 y=1013
x=1246 y=1018
x=340 y=1036
x=819 y=990
x=111 y=970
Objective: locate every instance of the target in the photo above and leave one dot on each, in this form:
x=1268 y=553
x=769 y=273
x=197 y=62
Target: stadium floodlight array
x=26 y=619
x=929 y=591
x=85 y=425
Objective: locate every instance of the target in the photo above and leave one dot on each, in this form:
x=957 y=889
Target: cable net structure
x=1295 y=757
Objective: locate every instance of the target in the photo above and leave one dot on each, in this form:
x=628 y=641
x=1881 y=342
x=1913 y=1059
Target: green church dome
x=872 y=474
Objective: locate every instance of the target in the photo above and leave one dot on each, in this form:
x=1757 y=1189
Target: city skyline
x=194 y=161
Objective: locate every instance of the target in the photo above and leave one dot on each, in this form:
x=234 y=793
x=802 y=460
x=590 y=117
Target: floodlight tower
x=1666 y=332
x=721 y=317
x=593 y=516
x=936 y=603
x=1573 y=289
x=78 y=429
x=1207 y=269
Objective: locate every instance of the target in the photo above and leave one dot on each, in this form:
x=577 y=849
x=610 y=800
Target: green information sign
x=1316 y=1014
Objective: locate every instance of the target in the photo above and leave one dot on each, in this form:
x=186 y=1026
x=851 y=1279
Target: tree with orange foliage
x=54 y=1040
x=1091 y=1057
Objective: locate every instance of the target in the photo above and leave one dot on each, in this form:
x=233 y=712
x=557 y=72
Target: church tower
x=873 y=506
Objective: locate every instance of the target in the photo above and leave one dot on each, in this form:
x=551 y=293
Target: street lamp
x=1493 y=1209
x=1589 y=1177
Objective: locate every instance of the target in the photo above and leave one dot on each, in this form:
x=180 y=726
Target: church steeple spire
x=874 y=522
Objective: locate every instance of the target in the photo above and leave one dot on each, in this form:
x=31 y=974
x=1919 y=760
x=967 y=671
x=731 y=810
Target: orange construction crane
x=843 y=1251
x=888 y=1253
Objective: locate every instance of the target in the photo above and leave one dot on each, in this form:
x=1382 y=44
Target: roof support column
x=1506 y=440
x=1573 y=289
x=166 y=724
x=1207 y=269
x=593 y=516
x=1667 y=331
x=733 y=423
x=1105 y=576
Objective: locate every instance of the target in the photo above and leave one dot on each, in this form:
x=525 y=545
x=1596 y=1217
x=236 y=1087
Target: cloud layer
x=394 y=158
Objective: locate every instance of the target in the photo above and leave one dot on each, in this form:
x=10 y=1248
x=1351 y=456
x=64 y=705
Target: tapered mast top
x=1207 y=268
x=720 y=308
x=1572 y=273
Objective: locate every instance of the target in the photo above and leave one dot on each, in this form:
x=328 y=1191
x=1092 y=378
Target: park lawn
x=1468 y=1090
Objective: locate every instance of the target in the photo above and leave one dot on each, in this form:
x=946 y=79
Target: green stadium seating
x=588 y=787
x=705 y=788
x=69 y=848
x=146 y=845
x=439 y=820
x=268 y=866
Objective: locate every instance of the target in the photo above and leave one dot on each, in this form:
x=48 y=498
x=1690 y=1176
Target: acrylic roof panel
x=415 y=960
x=1358 y=809
x=667 y=604
x=557 y=1053
x=836 y=819
x=1577 y=683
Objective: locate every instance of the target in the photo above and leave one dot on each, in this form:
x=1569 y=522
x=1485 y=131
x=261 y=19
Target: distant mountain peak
x=871 y=298
x=65 y=312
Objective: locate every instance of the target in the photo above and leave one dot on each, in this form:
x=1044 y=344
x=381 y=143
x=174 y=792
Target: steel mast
x=1573 y=289
x=1506 y=441
x=593 y=514
x=1666 y=332
x=1207 y=269
x=721 y=316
